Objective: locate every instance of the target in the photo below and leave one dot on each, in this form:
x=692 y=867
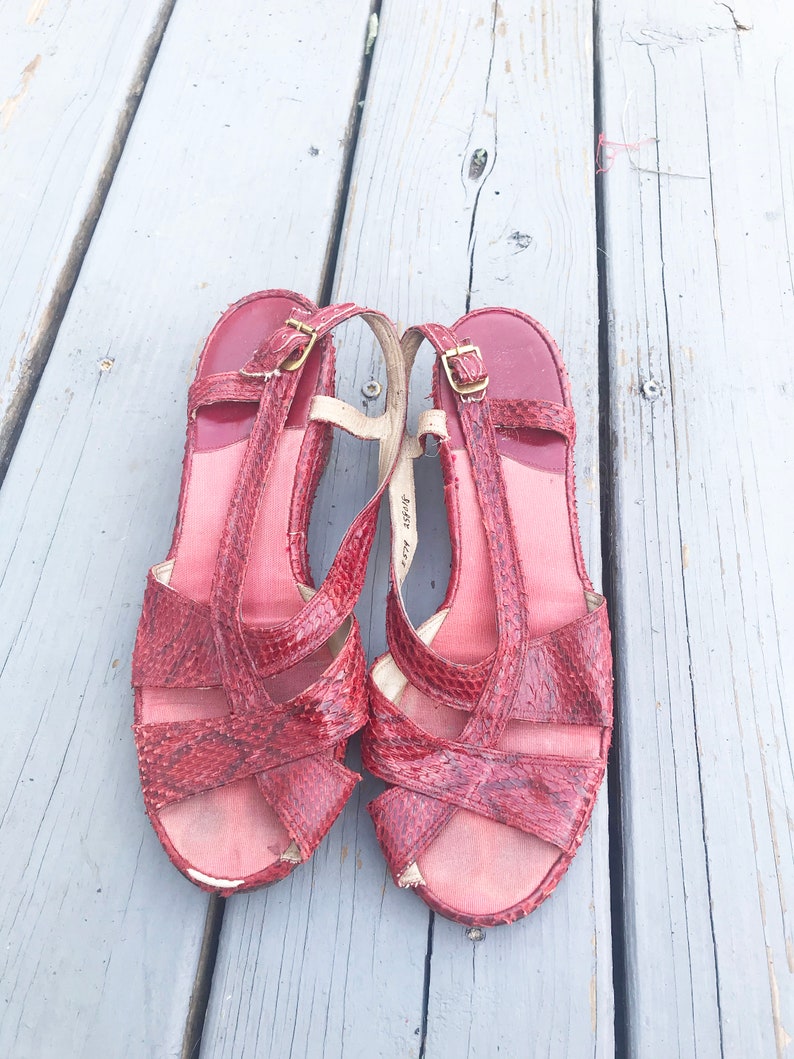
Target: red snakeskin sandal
x=248 y=679
x=491 y=722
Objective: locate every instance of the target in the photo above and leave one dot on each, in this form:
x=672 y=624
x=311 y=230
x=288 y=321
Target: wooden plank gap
x=39 y=353
x=346 y=175
x=621 y=1010
x=431 y=922
x=485 y=160
x=199 y=998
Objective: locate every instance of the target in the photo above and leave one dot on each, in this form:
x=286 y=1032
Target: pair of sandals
x=490 y=723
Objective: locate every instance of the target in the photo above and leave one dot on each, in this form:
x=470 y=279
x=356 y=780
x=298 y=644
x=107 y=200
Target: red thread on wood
x=612 y=148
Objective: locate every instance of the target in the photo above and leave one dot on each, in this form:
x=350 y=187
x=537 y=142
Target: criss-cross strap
x=184 y=643
x=175 y=647
x=286 y=749
x=538 y=794
x=550 y=679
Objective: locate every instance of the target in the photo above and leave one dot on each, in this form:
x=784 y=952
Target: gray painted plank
x=62 y=124
x=100 y=935
x=446 y=79
x=701 y=304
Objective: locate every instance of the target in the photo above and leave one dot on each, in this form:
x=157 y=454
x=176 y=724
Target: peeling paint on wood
x=8 y=107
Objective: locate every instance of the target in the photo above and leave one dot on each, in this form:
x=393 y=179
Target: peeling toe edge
x=291 y=855
x=208 y=880
x=411 y=877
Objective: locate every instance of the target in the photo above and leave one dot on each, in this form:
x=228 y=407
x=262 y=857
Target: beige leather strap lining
x=402 y=508
x=386 y=428
x=344 y=415
x=433 y=421
x=402 y=492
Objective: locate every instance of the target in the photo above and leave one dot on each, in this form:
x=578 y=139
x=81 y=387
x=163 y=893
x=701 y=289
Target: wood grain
x=228 y=183
x=698 y=243
x=447 y=80
x=63 y=122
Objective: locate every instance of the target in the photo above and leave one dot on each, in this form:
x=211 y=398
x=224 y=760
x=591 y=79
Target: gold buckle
x=466 y=389
x=305 y=329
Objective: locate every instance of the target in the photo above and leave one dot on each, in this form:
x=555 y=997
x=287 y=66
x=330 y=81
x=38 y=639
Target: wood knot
x=477 y=164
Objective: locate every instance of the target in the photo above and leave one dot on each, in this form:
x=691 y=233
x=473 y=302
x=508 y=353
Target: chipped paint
x=782 y=1037
x=35 y=11
x=372 y=33
x=9 y=107
x=194 y=360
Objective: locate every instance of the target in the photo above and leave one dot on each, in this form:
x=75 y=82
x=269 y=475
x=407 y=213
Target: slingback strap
x=327 y=409
x=289 y=345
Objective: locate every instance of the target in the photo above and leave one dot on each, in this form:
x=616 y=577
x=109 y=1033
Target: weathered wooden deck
x=159 y=159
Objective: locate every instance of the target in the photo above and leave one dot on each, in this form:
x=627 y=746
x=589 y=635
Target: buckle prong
x=305 y=329
x=465 y=389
